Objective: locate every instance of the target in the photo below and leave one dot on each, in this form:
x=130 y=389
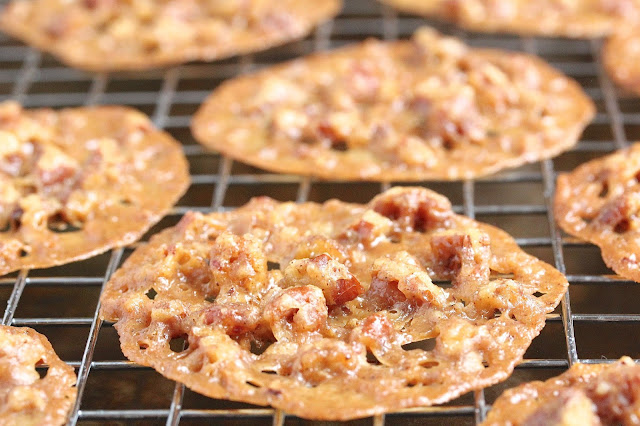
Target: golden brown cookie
x=77 y=182
x=25 y=398
x=585 y=395
x=564 y=18
x=109 y=35
x=309 y=307
x=428 y=108
x=599 y=202
x=621 y=56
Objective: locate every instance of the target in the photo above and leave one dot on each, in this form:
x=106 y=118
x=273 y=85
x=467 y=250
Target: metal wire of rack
x=595 y=323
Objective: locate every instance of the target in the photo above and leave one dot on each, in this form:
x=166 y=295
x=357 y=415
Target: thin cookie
x=109 y=35
x=77 y=182
x=561 y=18
x=599 y=202
x=594 y=395
x=309 y=307
x=621 y=55
x=428 y=108
x=25 y=397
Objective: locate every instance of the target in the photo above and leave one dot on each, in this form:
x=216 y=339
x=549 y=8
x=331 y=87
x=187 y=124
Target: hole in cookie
x=258 y=347
x=495 y=275
x=210 y=299
x=270 y=372
x=288 y=317
x=23 y=253
x=250 y=383
x=499 y=314
x=425 y=345
x=143 y=346
x=371 y=358
x=340 y=146
x=151 y=293
x=443 y=283
x=179 y=344
x=623 y=226
x=58 y=224
x=13 y=222
x=411 y=384
x=538 y=294
x=429 y=364
x=604 y=190
x=42 y=370
x=273 y=266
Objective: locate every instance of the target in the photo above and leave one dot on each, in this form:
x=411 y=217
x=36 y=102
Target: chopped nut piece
x=238 y=261
x=371 y=229
x=334 y=279
x=461 y=257
x=412 y=212
x=409 y=277
x=316 y=245
x=296 y=311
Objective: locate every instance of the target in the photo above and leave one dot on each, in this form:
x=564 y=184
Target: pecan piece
x=334 y=279
x=462 y=257
x=410 y=211
x=402 y=271
x=296 y=311
x=238 y=262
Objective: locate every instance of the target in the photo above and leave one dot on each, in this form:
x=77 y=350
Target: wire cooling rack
x=597 y=321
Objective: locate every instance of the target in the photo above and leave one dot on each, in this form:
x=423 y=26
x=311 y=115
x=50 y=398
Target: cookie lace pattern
x=78 y=181
x=25 y=396
x=426 y=108
x=332 y=311
x=599 y=202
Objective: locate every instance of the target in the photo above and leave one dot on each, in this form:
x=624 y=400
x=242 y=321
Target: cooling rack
x=597 y=321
